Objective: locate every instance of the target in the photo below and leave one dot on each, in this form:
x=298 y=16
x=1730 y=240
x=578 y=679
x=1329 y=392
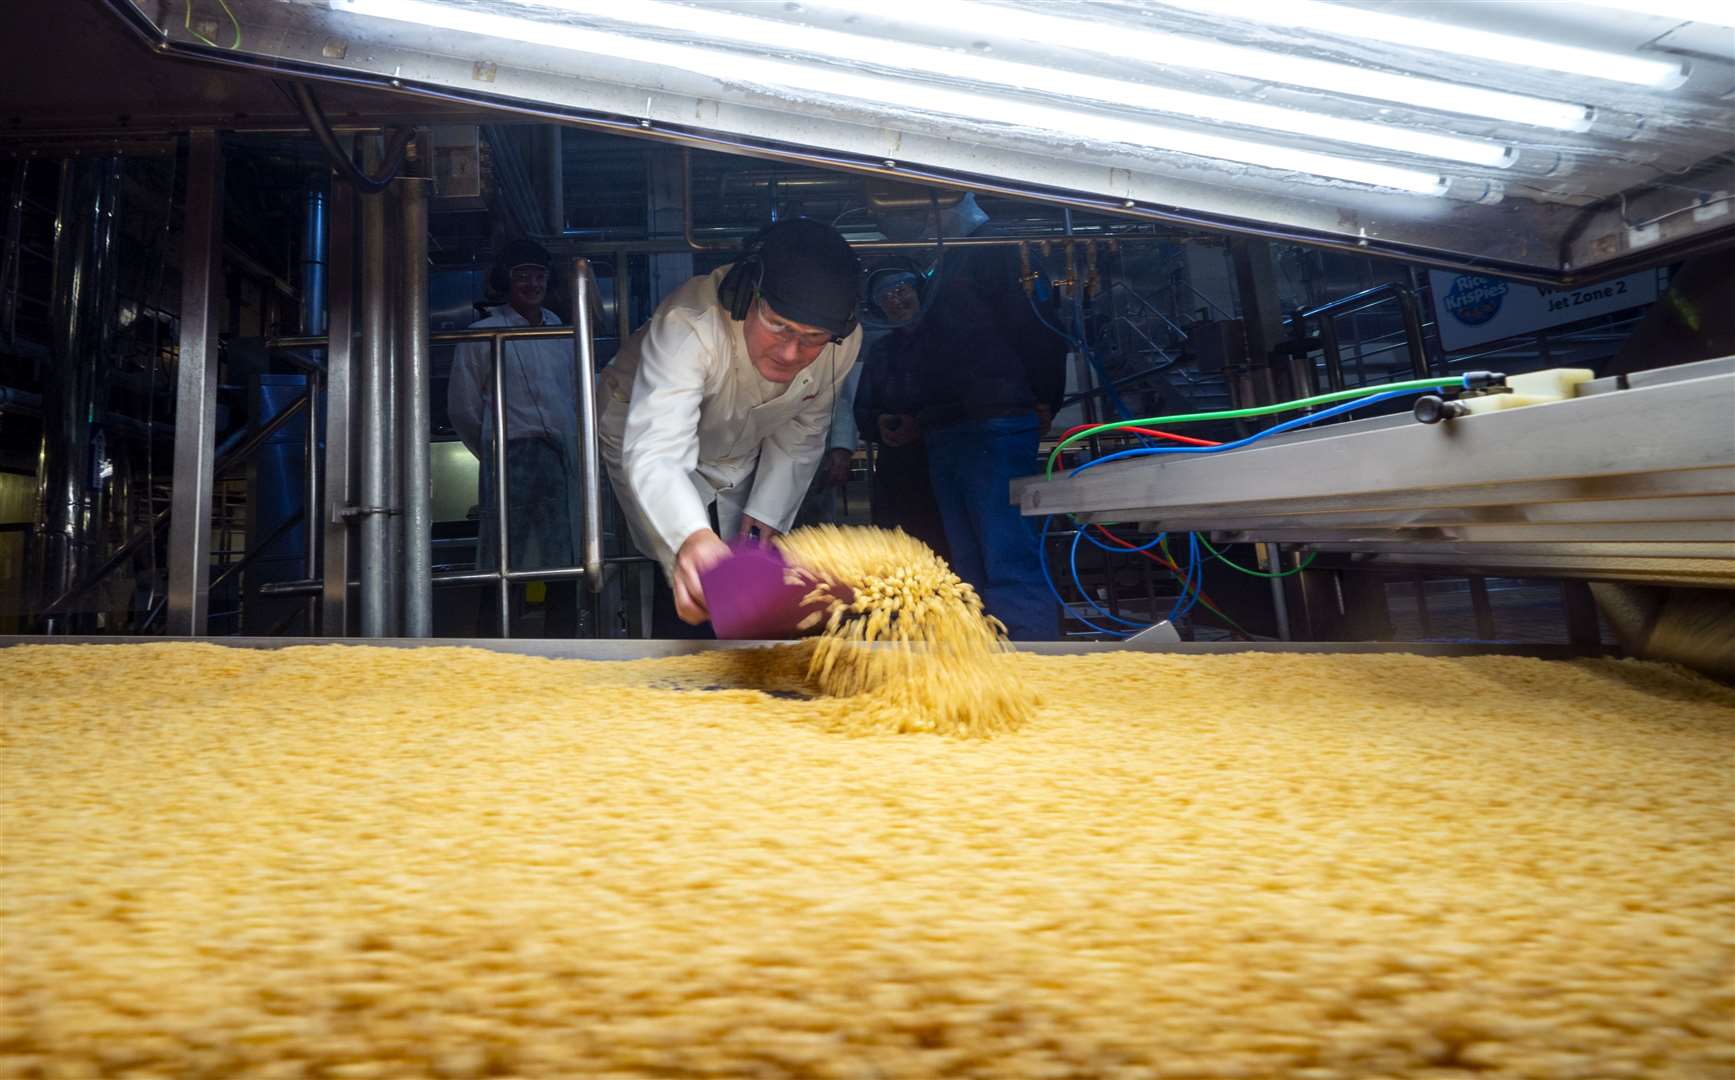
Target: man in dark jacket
x=990 y=377
x=887 y=399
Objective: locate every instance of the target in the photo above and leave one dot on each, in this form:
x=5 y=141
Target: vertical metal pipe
x=1413 y=340
x=313 y=261
x=554 y=180
x=11 y=253
x=196 y=388
x=1482 y=606
x=584 y=305
x=1333 y=351
x=313 y=323
x=340 y=427
x=623 y=298
x=502 y=532
x=310 y=518
x=416 y=427
x=394 y=311
x=1279 y=599
x=373 y=406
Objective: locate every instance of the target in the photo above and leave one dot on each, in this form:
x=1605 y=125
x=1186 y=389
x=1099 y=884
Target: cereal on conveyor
x=906 y=643
x=346 y=861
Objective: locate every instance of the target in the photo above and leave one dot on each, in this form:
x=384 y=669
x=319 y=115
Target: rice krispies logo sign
x=1473 y=309
x=1474 y=300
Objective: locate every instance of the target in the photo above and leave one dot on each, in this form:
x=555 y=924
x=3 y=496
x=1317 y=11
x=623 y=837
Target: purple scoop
x=751 y=596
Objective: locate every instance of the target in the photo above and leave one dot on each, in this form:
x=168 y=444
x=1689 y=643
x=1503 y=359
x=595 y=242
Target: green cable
x=1257 y=410
x=1312 y=555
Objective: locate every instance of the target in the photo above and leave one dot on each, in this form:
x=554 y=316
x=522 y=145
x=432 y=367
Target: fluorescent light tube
x=1441 y=37
x=1154 y=48
x=877 y=92
x=1713 y=12
x=855 y=49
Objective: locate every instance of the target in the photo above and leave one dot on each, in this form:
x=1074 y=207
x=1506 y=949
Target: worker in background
x=891 y=290
x=991 y=378
x=541 y=434
x=721 y=403
x=887 y=400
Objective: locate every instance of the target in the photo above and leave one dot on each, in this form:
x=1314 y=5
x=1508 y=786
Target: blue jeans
x=993 y=547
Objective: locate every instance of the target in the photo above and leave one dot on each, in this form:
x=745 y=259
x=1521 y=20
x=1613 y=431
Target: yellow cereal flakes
x=368 y=862
x=937 y=663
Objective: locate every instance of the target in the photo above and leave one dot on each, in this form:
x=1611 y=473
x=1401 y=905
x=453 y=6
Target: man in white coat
x=725 y=398
x=541 y=434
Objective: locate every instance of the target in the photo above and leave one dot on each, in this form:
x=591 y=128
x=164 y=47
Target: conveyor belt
x=611 y=649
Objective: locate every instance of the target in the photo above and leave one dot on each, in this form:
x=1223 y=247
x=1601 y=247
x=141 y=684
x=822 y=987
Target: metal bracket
x=1153 y=638
x=341 y=514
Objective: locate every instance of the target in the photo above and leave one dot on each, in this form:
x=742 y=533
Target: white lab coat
x=541 y=399
x=685 y=423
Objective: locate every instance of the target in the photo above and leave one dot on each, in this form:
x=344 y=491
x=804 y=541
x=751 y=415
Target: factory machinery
x=1617 y=476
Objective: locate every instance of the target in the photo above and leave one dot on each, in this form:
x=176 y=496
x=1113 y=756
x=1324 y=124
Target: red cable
x=1168 y=564
x=1151 y=432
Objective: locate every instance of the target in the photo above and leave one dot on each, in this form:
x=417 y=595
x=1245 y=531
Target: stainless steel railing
x=582 y=333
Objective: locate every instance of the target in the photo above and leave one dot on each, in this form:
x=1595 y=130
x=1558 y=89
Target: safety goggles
x=782 y=331
x=529 y=275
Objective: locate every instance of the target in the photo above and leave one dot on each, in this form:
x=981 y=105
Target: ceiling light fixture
x=1153 y=48
x=853 y=48
x=1444 y=37
x=879 y=93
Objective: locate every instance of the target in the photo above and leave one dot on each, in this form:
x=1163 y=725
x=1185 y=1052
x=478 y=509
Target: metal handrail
x=1328 y=313
x=587 y=310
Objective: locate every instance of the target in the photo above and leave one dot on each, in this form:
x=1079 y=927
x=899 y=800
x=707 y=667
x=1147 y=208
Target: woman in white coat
x=725 y=397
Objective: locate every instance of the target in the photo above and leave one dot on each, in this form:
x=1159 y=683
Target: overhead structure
x=1558 y=142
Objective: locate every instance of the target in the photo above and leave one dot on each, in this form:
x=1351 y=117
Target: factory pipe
x=196 y=389
x=337 y=463
x=313 y=261
x=10 y=253
x=313 y=321
x=392 y=259
x=586 y=308
x=74 y=385
x=415 y=425
x=502 y=531
x=689 y=232
x=223 y=467
x=554 y=180
x=310 y=476
x=372 y=509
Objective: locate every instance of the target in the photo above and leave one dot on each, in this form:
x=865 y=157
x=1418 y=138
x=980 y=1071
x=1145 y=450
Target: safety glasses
x=785 y=331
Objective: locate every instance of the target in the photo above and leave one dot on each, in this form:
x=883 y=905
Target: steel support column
x=1261 y=314
x=340 y=392
x=371 y=385
x=196 y=388
x=415 y=424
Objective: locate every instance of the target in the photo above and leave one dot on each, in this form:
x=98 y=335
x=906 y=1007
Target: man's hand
x=837 y=461
x=754 y=529
x=1044 y=419
x=899 y=430
x=699 y=552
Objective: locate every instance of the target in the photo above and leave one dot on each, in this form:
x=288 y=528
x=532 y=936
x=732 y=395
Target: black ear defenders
x=744 y=278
